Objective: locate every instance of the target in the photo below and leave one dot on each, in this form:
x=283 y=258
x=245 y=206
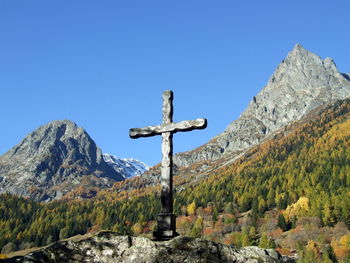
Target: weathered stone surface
x=53 y=160
x=109 y=247
x=300 y=84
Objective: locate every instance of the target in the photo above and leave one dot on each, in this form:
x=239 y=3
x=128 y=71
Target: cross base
x=166 y=227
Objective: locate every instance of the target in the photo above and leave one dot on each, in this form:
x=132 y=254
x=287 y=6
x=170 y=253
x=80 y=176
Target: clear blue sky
x=104 y=64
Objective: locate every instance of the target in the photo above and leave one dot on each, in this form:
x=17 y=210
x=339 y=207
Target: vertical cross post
x=167 y=156
x=166 y=221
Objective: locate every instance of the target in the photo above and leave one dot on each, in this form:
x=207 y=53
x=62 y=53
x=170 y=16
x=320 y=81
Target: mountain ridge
x=127 y=167
x=302 y=82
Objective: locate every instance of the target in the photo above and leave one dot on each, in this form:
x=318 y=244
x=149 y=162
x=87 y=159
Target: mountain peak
x=301 y=83
x=53 y=160
x=64 y=121
x=299 y=55
x=67 y=125
x=60 y=123
x=299 y=48
x=302 y=66
x=52 y=132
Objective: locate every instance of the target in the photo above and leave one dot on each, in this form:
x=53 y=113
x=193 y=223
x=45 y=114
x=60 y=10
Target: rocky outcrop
x=300 y=84
x=53 y=160
x=109 y=247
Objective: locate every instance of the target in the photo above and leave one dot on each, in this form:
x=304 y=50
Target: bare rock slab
x=111 y=247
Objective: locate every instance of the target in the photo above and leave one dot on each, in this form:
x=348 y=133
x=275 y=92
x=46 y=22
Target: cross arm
x=169 y=127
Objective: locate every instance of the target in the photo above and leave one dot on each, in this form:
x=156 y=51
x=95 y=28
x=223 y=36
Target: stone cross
x=166 y=223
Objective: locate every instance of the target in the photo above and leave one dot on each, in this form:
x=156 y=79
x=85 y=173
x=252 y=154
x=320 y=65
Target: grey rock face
x=300 y=84
x=53 y=160
x=109 y=247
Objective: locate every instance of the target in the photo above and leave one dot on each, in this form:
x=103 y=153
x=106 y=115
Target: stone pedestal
x=166 y=227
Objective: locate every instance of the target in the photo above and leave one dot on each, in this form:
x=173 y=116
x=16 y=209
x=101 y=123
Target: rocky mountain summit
x=127 y=167
x=300 y=84
x=53 y=160
x=109 y=247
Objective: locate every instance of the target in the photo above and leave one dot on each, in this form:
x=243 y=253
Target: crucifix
x=166 y=221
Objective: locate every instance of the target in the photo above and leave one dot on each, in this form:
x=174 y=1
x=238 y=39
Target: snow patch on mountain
x=127 y=167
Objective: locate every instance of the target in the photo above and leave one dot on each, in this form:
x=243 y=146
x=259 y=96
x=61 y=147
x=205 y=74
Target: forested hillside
x=311 y=161
x=302 y=174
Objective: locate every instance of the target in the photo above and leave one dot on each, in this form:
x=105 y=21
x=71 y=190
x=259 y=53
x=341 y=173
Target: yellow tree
x=191 y=208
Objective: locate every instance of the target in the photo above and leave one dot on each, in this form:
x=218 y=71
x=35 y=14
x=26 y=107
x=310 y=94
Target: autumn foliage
x=302 y=173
